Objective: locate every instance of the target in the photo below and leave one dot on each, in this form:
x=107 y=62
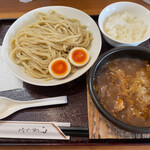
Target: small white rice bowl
x=141 y=14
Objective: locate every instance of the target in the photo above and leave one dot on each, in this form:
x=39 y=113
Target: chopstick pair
x=40 y=130
x=75 y=131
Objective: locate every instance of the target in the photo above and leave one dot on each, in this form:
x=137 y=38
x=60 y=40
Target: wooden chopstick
x=75 y=131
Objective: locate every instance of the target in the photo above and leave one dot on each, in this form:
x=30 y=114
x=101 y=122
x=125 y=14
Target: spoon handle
x=43 y=102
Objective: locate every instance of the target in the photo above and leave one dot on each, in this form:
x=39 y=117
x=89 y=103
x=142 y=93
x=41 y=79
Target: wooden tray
x=74 y=112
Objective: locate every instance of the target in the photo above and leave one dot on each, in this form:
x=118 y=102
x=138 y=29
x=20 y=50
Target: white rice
x=125 y=27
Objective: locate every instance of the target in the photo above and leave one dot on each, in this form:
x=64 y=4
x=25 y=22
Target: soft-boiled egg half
x=59 y=68
x=78 y=56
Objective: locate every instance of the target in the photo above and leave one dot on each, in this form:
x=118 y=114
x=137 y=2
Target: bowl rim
x=99 y=106
x=118 y=41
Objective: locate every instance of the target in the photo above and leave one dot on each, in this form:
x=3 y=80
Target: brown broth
x=123 y=87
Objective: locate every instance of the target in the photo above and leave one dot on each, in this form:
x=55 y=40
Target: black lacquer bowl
x=127 y=51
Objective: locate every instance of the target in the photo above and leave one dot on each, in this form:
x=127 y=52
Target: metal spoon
x=9 y=106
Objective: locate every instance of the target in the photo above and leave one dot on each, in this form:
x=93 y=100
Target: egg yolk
x=79 y=56
x=59 y=67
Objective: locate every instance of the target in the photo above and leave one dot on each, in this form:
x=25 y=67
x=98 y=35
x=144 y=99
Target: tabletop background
x=14 y=9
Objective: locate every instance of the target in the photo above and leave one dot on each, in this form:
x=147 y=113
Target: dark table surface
x=74 y=112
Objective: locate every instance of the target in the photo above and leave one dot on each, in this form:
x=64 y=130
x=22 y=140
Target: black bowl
x=127 y=51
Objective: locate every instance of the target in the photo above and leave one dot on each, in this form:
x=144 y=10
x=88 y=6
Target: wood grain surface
x=102 y=147
x=14 y=8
